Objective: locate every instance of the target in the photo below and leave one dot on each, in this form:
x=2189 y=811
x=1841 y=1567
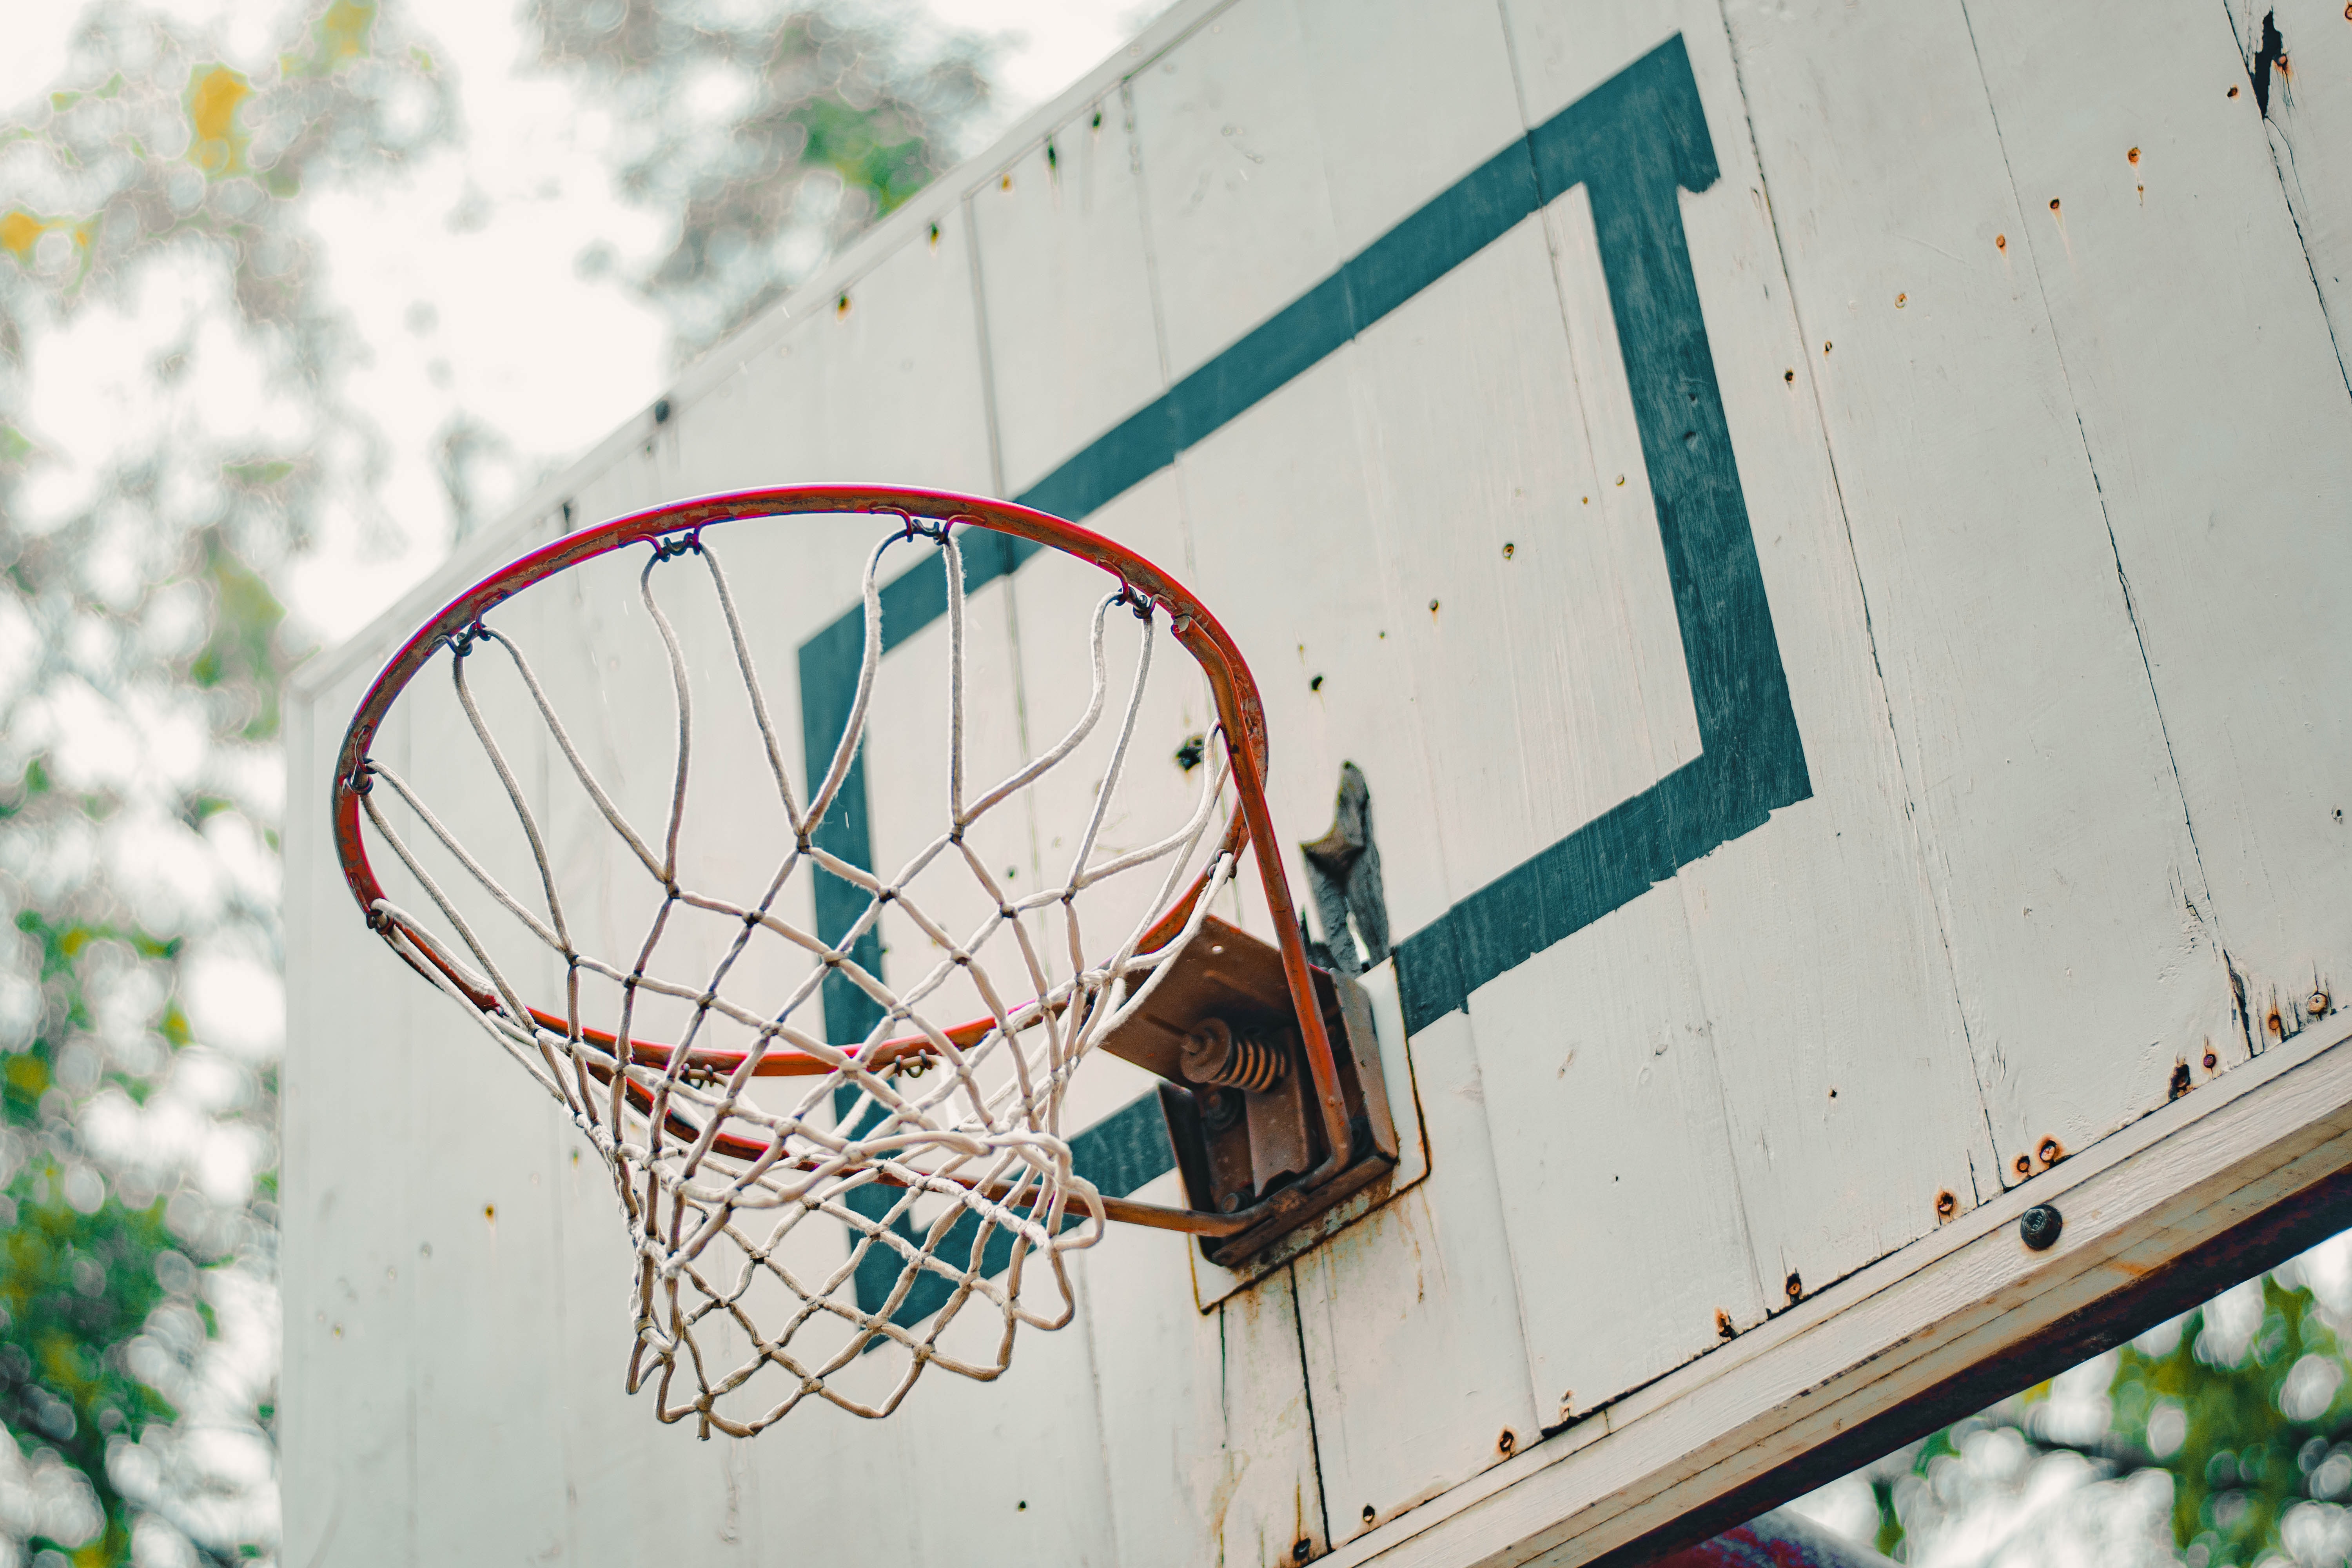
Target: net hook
x=913 y=527
x=686 y=543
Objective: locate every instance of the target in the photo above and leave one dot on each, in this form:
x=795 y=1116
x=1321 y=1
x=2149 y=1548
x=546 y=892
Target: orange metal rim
x=1240 y=710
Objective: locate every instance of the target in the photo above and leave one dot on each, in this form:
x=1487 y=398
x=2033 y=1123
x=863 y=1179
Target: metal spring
x=1215 y=1055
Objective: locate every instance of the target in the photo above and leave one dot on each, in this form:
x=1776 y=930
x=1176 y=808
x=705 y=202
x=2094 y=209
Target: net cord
x=982 y=1143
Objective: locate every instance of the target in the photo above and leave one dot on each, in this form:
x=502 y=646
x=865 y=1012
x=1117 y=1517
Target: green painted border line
x=1635 y=144
x=1117 y=1154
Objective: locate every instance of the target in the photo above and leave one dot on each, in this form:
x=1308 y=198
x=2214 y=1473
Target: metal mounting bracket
x=1241 y=1147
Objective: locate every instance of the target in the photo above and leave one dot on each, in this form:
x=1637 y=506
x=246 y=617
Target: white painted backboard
x=1824 y=529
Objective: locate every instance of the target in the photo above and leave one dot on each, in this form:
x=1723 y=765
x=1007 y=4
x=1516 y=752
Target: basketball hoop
x=934 y=1142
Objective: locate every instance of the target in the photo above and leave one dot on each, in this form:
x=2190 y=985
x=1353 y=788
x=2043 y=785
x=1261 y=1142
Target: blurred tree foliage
x=143 y=515
x=765 y=135
x=2243 y=1406
x=141 y=657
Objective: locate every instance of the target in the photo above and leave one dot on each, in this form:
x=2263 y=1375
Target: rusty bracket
x=1219 y=1032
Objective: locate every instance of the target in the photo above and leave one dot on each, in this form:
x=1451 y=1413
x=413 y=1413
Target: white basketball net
x=754 y=1220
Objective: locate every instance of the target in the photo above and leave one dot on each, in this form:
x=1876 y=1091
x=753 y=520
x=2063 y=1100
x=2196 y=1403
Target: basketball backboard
x=1776 y=507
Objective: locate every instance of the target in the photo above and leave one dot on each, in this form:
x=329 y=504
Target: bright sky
x=463 y=278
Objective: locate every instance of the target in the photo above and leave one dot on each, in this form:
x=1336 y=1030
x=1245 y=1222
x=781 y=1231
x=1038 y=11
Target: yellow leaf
x=20 y=232
x=218 y=145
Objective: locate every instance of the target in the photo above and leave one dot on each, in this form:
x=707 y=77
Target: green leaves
x=2241 y=1433
x=74 y=1288
x=827 y=124
x=78 y=1270
x=2245 y=1405
x=857 y=145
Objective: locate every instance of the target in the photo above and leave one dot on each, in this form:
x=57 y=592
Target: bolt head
x=2319 y=1003
x=2040 y=1226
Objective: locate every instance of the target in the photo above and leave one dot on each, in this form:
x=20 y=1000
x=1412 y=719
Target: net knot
x=462 y=640
x=686 y=543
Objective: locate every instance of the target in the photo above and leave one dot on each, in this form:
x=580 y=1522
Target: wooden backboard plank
x=1850 y=1096
x=1066 y=288
x=1410 y=1319
x=343 y=1089
x=2019 y=700
x=1205 y=1413
x=2156 y=182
